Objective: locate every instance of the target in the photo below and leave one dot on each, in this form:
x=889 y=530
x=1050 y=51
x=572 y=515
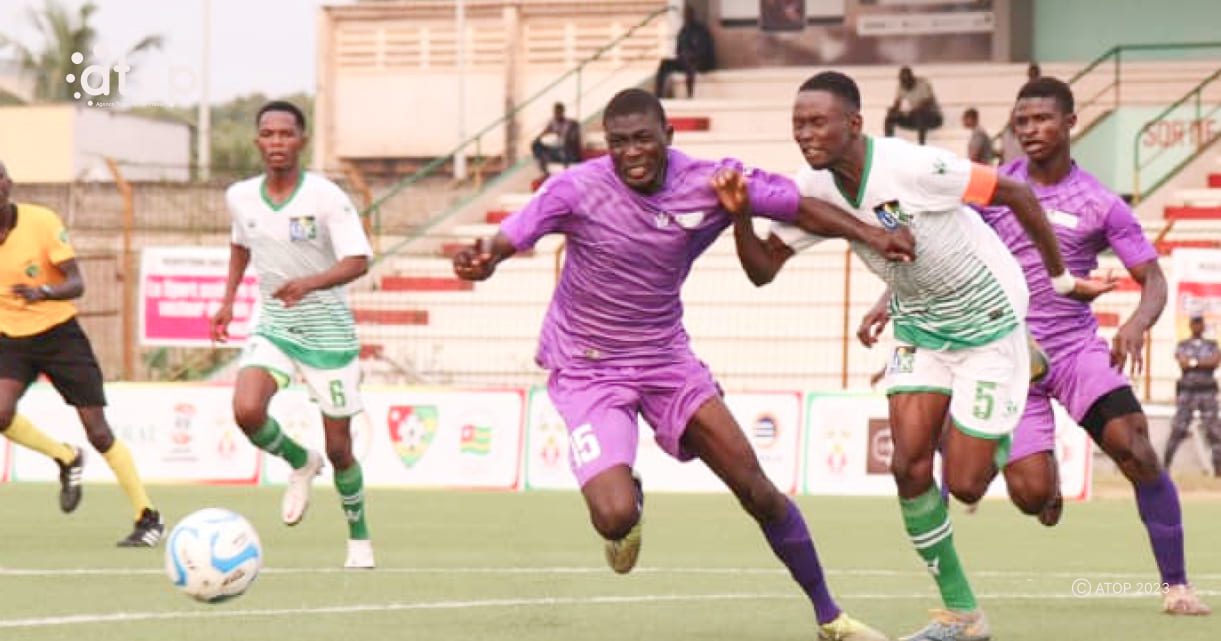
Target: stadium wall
x=1082 y=29
x=491 y=439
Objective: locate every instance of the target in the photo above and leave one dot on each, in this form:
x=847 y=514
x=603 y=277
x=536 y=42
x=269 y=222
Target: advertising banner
x=848 y=449
x=771 y=422
x=175 y=433
x=181 y=288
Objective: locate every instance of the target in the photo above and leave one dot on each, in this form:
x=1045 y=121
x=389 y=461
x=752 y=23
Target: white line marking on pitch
x=1093 y=575
x=131 y=617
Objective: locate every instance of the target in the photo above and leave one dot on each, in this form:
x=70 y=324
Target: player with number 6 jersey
x=306 y=242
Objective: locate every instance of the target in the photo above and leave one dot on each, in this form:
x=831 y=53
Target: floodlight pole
x=460 y=18
x=204 y=132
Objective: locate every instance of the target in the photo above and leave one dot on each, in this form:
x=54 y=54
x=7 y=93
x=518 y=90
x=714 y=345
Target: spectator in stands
x=695 y=53
x=1011 y=149
x=979 y=147
x=1196 y=391
x=559 y=142
x=915 y=106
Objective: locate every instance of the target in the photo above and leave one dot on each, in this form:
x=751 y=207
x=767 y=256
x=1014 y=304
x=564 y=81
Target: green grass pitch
x=527 y=567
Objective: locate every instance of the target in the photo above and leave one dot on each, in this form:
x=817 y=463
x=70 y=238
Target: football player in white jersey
x=306 y=242
x=962 y=301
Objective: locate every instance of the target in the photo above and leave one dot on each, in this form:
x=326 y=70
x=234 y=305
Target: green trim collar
x=267 y=197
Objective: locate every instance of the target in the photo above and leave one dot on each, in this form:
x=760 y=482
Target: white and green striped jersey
x=306 y=234
x=964 y=289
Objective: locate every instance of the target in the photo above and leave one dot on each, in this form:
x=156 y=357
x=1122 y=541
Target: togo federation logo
x=412 y=429
x=302 y=228
x=891 y=215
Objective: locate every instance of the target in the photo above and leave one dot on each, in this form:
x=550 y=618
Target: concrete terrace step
x=1197 y=197
x=396 y=283
x=390 y=316
x=690 y=123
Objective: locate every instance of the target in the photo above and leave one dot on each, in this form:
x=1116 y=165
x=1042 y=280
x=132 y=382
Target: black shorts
x=64 y=354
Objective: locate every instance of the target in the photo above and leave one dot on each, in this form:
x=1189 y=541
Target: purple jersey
x=617 y=301
x=1087 y=218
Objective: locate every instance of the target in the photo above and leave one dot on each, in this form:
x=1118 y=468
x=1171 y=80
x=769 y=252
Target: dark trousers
x=1188 y=402
x=670 y=65
x=544 y=155
x=921 y=120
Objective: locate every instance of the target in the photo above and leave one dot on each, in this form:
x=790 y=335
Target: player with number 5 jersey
x=306 y=241
x=959 y=310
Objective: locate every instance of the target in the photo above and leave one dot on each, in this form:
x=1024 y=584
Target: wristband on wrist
x=1064 y=283
x=46 y=291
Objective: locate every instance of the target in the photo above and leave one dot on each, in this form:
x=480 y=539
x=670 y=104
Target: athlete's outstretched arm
x=1129 y=341
x=762 y=259
x=1018 y=197
x=478 y=261
x=821 y=218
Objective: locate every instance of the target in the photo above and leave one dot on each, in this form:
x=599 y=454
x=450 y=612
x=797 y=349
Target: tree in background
x=63 y=33
x=233 y=152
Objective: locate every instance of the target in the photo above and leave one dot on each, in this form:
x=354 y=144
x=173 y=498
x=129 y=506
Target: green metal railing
x=475 y=141
x=1113 y=90
x=1116 y=56
x=1171 y=158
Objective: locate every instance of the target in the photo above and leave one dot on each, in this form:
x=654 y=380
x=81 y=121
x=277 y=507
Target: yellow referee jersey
x=37 y=242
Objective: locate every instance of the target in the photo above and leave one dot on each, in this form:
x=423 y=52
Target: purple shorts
x=600 y=406
x=1077 y=380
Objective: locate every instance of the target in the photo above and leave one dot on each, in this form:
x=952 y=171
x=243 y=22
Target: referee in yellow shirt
x=39 y=334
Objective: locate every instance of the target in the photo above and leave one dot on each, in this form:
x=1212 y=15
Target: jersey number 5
x=984 y=400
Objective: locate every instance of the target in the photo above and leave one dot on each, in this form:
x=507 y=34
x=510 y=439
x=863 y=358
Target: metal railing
x=576 y=73
x=1199 y=133
x=1109 y=96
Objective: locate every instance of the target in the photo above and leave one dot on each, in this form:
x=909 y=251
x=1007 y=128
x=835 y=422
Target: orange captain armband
x=981 y=186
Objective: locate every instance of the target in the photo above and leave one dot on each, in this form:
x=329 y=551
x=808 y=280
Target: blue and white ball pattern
x=213 y=555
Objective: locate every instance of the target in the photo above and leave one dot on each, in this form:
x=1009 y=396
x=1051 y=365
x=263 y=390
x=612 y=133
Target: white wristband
x=1064 y=283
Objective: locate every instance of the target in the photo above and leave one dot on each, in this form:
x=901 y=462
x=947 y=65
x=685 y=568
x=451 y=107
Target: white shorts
x=987 y=385
x=336 y=391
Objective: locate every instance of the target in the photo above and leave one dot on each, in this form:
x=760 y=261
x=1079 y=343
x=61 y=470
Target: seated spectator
x=695 y=53
x=559 y=142
x=915 y=106
x=979 y=147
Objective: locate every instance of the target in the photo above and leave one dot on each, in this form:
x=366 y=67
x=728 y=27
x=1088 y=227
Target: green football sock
x=271 y=439
x=928 y=526
x=351 y=484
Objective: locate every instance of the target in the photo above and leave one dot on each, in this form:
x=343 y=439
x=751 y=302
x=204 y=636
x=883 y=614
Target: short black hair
x=1049 y=87
x=971 y=112
x=836 y=84
x=634 y=101
x=285 y=106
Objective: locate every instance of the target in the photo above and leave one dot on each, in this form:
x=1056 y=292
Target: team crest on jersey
x=661 y=220
x=903 y=361
x=891 y=215
x=302 y=228
x=31 y=270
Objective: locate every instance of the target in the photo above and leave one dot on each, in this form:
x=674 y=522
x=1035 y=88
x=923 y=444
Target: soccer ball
x=213 y=555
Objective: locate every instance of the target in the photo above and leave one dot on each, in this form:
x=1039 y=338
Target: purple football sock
x=791 y=542
x=1158 y=503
